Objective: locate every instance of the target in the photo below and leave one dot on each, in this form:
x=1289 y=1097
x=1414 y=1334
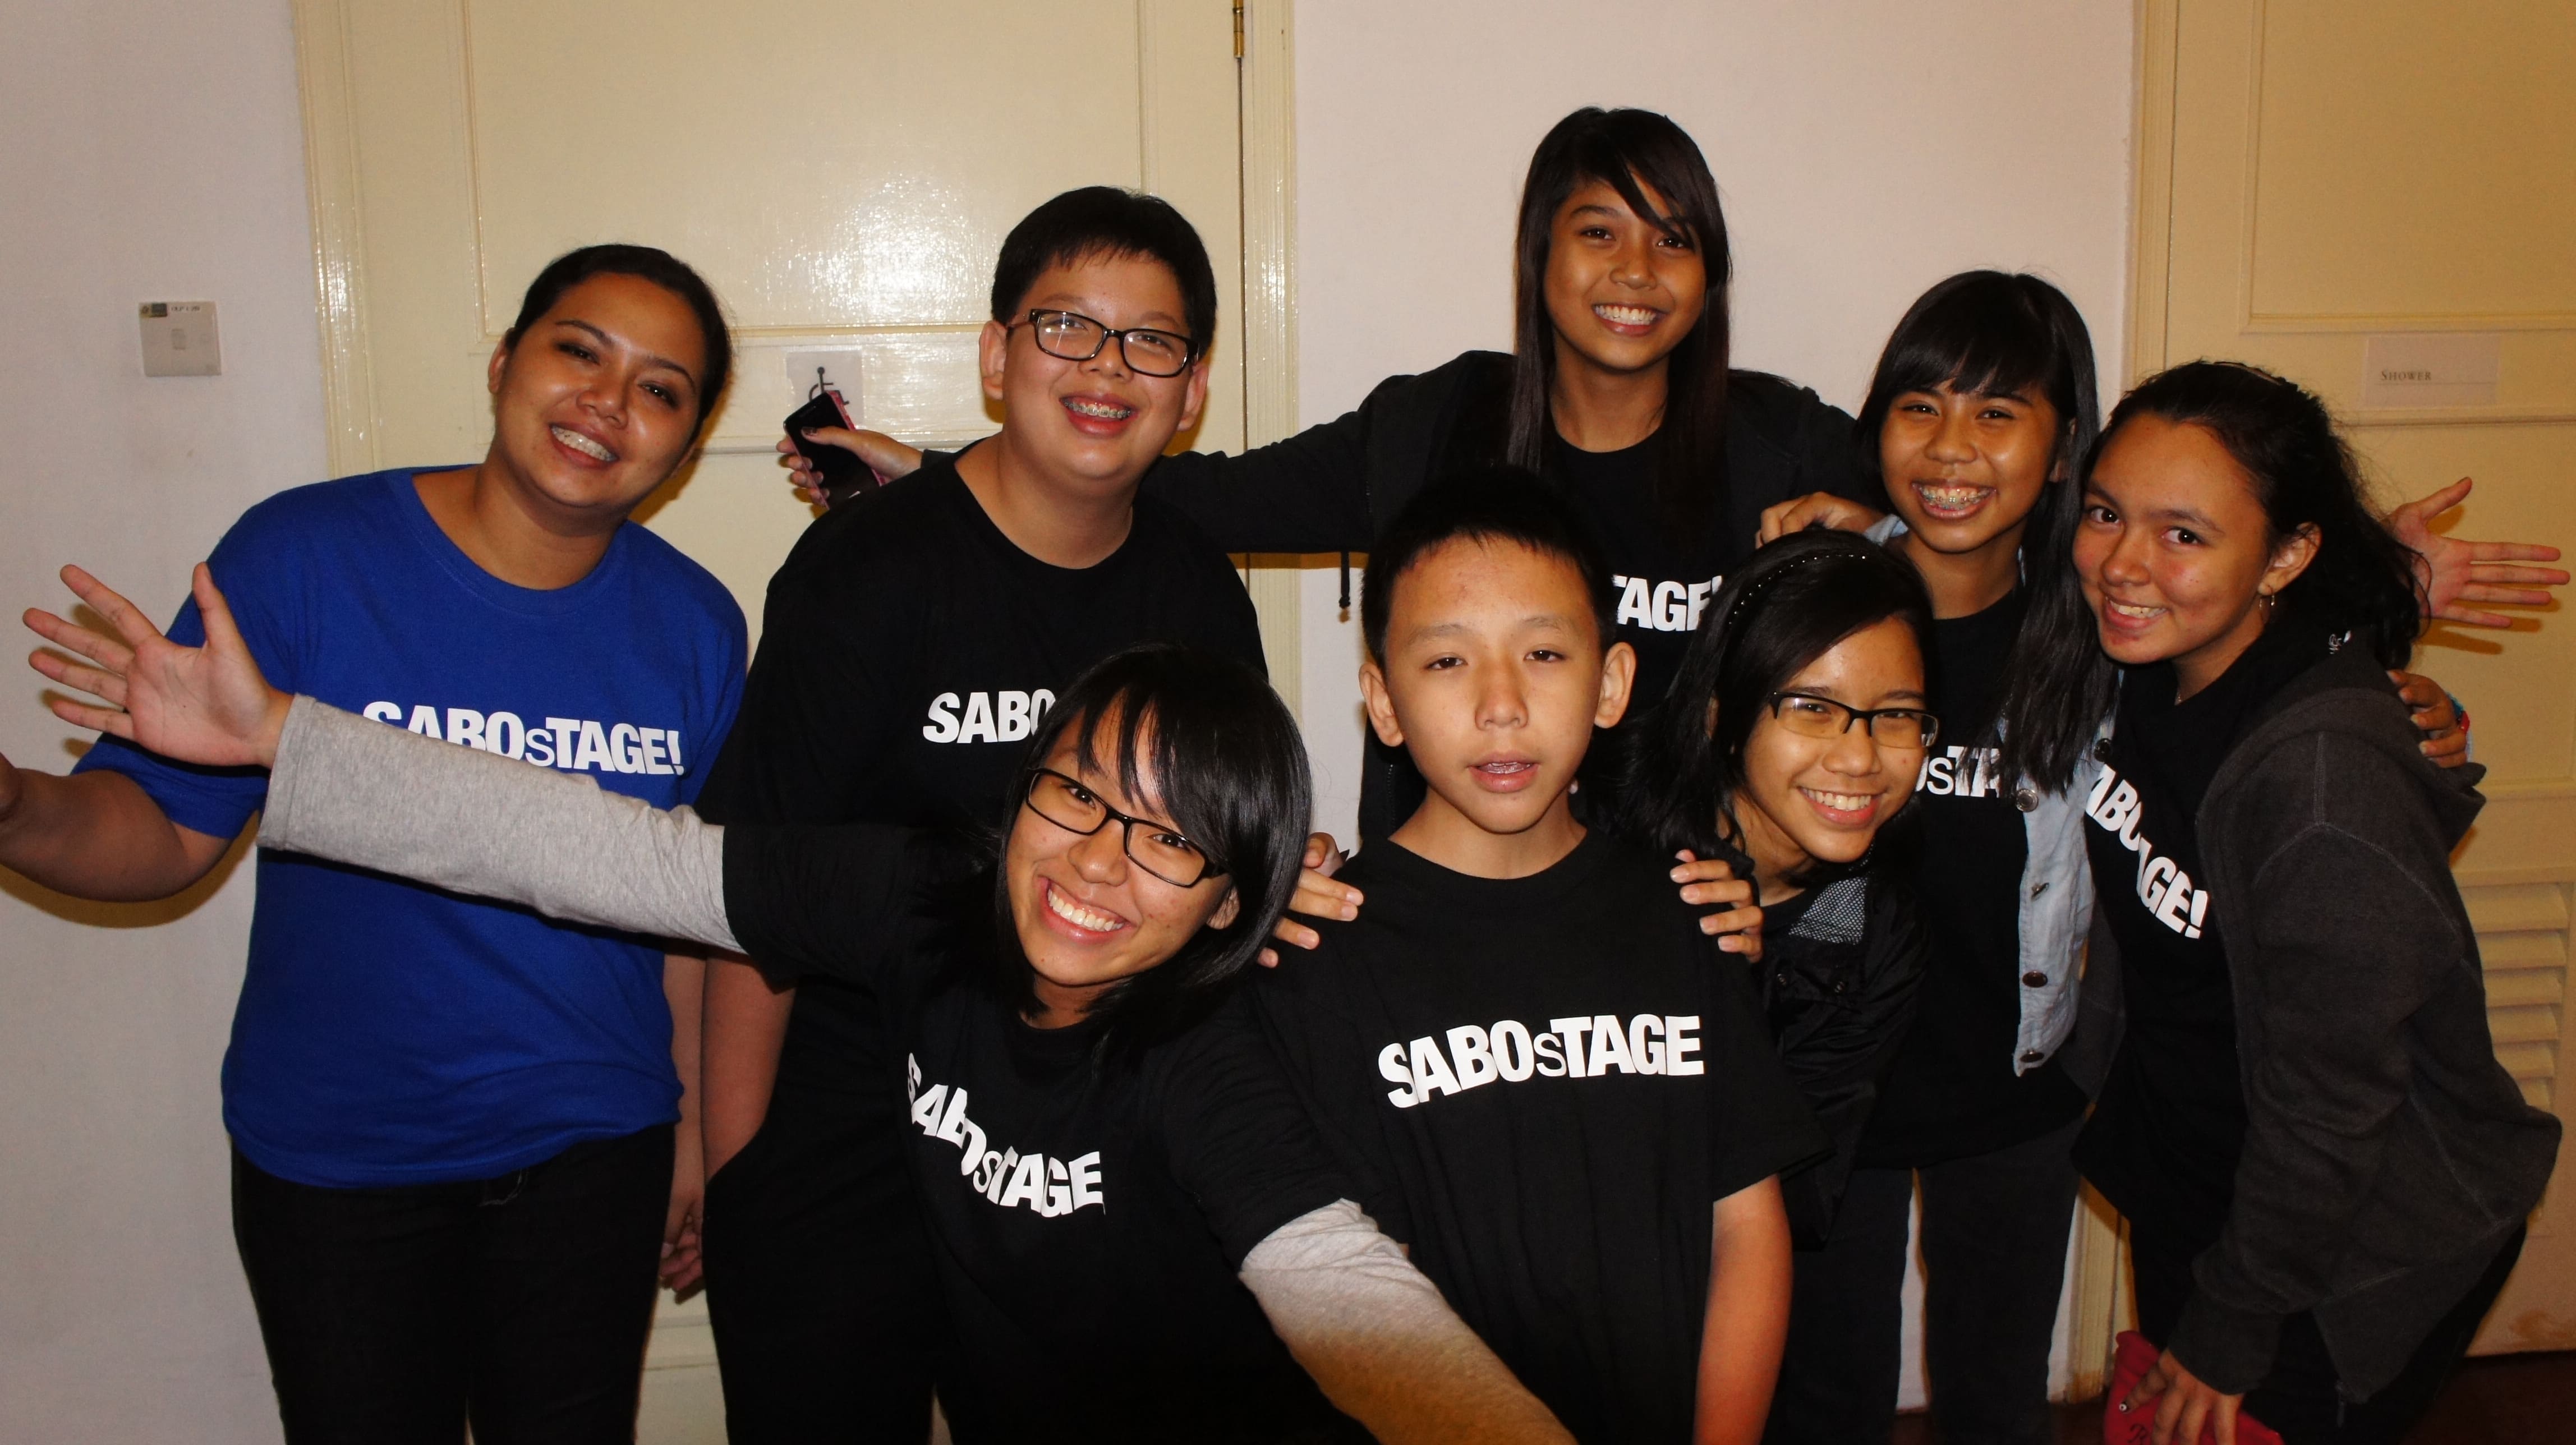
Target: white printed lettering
x=1646 y=1043
x=1572 y=1031
x=591 y=749
x=979 y=720
x=1633 y=606
x=1011 y=715
x=1086 y=1180
x=1610 y=1048
x=465 y=727
x=1512 y=1056
x=565 y=730
x=942 y=727
x=1467 y=1049
x=505 y=734
x=383 y=712
x=1430 y=1071
x=1550 y=1055
x=1392 y=1068
x=1672 y=606
x=424 y=720
x=626 y=748
x=1028 y=1184
x=654 y=758
x=1680 y=1042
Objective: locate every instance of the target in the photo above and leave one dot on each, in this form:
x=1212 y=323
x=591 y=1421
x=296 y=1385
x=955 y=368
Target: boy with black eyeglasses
x=913 y=641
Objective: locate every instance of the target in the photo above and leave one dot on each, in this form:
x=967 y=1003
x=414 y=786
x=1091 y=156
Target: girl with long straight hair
x=1618 y=387
x=2324 y=1168
x=1981 y=404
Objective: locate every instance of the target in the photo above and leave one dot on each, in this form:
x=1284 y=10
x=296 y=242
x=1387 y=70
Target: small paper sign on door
x=2411 y=369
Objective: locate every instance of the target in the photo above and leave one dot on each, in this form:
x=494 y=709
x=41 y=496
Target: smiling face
x=1822 y=799
x=1621 y=293
x=1494 y=678
x=1086 y=914
x=1963 y=469
x=2175 y=552
x=1096 y=424
x=597 y=402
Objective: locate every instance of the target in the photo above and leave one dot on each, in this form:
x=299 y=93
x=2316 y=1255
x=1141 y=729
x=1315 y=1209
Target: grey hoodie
x=2387 y=1153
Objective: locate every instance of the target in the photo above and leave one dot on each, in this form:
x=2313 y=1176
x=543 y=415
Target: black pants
x=394 y=1316
x=1994 y=1264
x=2301 y=1397
x=821 y=1291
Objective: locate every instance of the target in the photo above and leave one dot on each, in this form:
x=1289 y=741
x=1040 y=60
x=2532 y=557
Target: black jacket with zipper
x=2387 y=1153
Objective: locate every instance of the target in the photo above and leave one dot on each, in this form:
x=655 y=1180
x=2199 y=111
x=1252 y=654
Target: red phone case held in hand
x=2132 y=1358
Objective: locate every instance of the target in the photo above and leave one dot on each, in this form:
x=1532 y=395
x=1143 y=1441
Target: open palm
x=207 y=705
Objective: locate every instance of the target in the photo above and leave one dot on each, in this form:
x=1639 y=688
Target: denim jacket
x=2056 y=898
x=2056 y=906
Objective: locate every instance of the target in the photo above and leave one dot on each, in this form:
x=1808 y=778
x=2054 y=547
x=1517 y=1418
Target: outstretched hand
x=207 y=705
x=2458 y=572
x=1815 y=509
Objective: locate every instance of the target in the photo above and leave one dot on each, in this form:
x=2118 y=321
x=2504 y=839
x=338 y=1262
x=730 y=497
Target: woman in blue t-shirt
x=453 y=1123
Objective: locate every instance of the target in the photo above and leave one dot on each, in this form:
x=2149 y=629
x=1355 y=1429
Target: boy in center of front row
x=1548 y=1083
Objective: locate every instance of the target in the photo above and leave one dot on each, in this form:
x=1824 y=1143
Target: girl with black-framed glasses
x=1137 y=1234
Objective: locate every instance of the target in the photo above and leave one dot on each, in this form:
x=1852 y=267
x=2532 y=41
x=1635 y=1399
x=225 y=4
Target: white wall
x=1865 y=150
x=149 y=150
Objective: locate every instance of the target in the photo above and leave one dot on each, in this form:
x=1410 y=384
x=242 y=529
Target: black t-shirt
x=907 y=652
x=1542 y=1085
x=1953 y=1092
x=1087 y=1219
x=1334 y=487
x=2163 y=1141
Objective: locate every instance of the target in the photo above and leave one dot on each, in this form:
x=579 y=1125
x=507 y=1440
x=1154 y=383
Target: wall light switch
x=179 y=339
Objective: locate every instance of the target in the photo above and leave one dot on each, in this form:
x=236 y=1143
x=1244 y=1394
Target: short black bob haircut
x=1995 y=333
x=644 y=263
x=1206 y=738
x=1629 y=151
x=1105 y=221
x=1789 y=604
x=1483 y=504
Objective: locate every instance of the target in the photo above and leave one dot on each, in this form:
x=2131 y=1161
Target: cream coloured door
x=2329 y=187
x=842 y=174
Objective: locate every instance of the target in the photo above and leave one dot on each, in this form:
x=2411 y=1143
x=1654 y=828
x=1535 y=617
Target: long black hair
x=2362 y=580
x=1994 y=333
x=644 y=263
x=1788 y=605
x=1629 y=151
x=1206 y=736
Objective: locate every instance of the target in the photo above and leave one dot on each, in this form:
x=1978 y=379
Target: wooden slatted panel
x=2523 y=941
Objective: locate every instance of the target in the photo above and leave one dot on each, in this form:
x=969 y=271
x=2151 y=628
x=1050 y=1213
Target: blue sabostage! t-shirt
x=390 y=1034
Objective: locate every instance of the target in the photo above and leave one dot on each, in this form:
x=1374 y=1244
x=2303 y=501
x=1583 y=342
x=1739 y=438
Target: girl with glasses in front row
x=1128 y=1218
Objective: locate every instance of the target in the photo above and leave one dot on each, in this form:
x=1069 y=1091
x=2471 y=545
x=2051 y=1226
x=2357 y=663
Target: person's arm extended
x=1380 y=1341
x=746 y=1029
x=354 y=791
x=97 y=835
x=683 y=984
x=1748 y=1315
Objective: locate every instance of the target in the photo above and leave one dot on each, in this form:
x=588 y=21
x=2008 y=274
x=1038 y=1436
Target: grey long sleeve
x=1376 y=1335
x=355 y=791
